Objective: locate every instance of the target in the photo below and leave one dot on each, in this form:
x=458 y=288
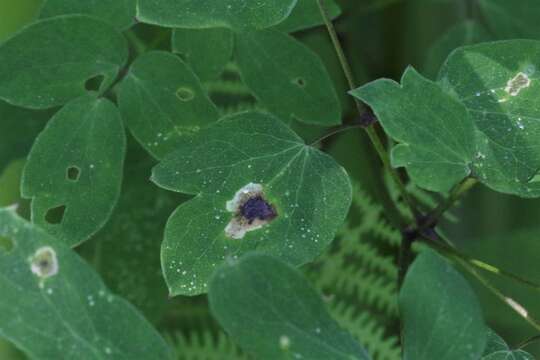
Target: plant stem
x=528 y=341
x=518 y=308
x=455 y=194
x=453 y=253
x=336 y=131
x=372 y=134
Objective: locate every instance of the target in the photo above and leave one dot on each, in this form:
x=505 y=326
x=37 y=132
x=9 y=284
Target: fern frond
x=373 y=335
x=359 y=277
x=205 y=346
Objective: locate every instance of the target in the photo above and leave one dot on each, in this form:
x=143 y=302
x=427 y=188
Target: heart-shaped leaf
x=162 y=101
x=499 y=85
x=54 y=306
x=259 y=294
x=74 y=171
x=441 y=316
x=257 y=186
x=49 y=62
x=434 y=131
x=287 y=77
x=207 y=51
x=481 y=119
x=203 y=14
x=497 y=349
x=118 y=13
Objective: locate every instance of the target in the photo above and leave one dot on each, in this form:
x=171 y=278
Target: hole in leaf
x=73 y=173
x=185 y=94
x=55 y=215
x=6 y=245
x=300 y=82
x=94 y=83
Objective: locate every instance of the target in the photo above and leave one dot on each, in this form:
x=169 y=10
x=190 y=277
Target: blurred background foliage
x=357 y=275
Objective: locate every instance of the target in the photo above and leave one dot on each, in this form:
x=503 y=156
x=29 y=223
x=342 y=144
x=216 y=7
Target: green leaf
x=55 y=307
x=270 y=309
x=497 y=349
x=207 y=51
x=126 y=251
x=239 y=158
x=441 y=316
x=512 y=19
x=464 y=33
x=118 y=13
x=306 y=14
x=48 y=62
x=18 y=129
x=287 y=77
x=201 y=14
x=74 y=171
x=499 y=85
x=162 y=101
x=434 y=130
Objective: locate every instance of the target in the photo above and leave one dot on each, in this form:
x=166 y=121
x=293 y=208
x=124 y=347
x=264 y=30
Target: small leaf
x=162 y=101
x=287 y=77
x=497 y=349
x=202 y=14
x=270 y=309
x=512 y=19
x=119 y=13
x=499 y=85
x=74 y=171
x=48 y=62
x=306 y=14
x=55 y=307
x=434 y=131
x=441 y=316
x=257 y=186
x=207 y=51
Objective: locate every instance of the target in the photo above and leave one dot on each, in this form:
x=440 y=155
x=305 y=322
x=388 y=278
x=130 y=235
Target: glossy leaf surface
x=74 y=171
x=309 y=192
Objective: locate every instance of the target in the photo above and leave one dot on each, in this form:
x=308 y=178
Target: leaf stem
x=455 y=194
x=371 y=132
x=454 y=253
x=528 y=341
x=335 y=131
x=513 y=304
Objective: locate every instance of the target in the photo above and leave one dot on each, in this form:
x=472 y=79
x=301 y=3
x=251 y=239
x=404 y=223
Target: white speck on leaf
x=284 y=342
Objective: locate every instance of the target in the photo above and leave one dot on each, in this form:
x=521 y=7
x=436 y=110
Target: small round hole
x=55 y=215
x=185 y=94
x=73 y=173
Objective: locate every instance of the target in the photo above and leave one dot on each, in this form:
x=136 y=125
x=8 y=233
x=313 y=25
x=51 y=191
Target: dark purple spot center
x=257 y=208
